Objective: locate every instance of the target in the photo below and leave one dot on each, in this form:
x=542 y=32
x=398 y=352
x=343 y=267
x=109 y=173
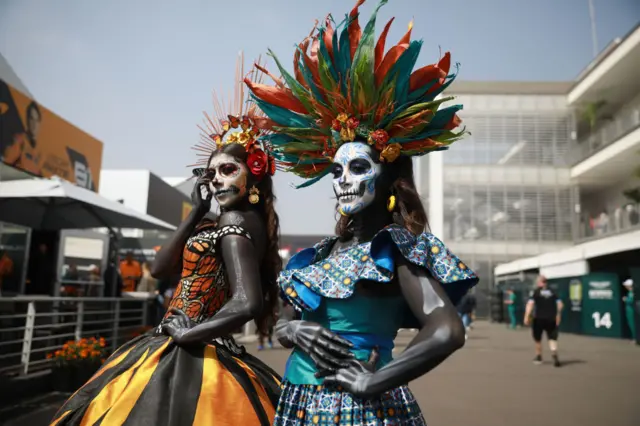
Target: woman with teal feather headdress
x=352 y=110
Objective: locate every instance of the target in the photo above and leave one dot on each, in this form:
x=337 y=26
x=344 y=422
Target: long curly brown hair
x=396 y=179
x=271 y=261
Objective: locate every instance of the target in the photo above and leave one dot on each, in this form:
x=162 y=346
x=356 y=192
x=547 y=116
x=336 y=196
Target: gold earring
x=254 y=195
x=391 y=203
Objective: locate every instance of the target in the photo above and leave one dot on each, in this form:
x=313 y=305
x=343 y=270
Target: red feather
x=380 y=44
x=424 y=75
x=453 y=123
x=354 y=29
x=445 y=63
x=424 y=143
x=328 y=38
x=389 y=59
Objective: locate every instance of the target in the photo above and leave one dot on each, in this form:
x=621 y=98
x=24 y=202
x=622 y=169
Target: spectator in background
x=629 y=308
x=69 y=285
x=113 y=283
x=602 y=223
x=42 y=271
x=148 y=284
x=543 y=312
x=465 y=308
x=6 y=268
x=131 y=272
x=510 y=301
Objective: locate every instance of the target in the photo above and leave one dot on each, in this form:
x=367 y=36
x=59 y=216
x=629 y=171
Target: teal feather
x=343 y=64
x=403 y=67
x=276 y=139
x=310 y=182
x=443 y=117
x=308 y=77
x=328 y=76
x=282 y=116
x=417 y=94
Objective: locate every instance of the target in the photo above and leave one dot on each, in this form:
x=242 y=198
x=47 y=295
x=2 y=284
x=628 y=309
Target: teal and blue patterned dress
x=322 y=286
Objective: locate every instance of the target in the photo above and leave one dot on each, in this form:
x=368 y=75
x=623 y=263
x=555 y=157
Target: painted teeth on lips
x=350 y=194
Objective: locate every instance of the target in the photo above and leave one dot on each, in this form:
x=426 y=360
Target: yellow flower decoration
x=347 y=135
x=390 y=153
x=342 y=117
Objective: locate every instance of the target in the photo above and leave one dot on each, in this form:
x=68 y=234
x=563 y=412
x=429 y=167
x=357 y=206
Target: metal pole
x=594 y=37
x=28 y=336
x=79 y=320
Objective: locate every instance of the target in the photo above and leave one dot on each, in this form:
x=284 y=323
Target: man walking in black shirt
x=545 y=308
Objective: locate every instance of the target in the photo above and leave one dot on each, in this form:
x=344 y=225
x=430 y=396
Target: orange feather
x=328 y=37
x=424 y=75
x=355 y=33
x=379 y=54
x=389 y=59
x=274 y=95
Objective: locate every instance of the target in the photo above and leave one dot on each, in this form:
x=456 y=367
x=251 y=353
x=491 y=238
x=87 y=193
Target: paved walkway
x=492 y=382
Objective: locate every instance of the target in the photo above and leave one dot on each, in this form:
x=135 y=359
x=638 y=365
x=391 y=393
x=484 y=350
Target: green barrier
x=601 y=305
x=635 y=276
x=569 y=290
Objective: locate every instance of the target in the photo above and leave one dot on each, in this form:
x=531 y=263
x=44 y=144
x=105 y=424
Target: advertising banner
x=601 y=305
x=37 y=141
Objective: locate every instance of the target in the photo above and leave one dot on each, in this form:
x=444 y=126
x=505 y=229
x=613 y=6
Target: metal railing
x=622 y=219
x=623 y=121
x=32 y=327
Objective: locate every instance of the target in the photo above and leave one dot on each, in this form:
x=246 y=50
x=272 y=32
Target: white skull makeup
x=228 y=179
x=355 y=175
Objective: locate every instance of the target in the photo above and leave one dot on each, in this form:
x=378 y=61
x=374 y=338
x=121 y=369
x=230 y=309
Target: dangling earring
x=342 y=213
x=254 y=195
x=391 y=203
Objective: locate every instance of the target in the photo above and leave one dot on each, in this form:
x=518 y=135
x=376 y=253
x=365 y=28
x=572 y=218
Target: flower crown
x=243 y=128
x=345 y=88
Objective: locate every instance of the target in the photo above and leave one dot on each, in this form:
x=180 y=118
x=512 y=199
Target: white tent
x=54 y=204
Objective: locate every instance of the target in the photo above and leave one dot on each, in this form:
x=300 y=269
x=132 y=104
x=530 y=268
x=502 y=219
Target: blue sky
x=138 y=74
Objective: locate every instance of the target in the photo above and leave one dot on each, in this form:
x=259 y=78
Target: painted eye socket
x=337 y=171
x=359 y=166
x=228 y=169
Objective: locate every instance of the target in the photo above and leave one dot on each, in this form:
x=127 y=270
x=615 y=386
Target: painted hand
x=328 y=350
x=202 y=204
x=356 y=376
x=177 y=326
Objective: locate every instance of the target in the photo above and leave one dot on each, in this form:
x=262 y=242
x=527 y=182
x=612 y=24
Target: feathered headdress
x=345 y=87
x=240 y=122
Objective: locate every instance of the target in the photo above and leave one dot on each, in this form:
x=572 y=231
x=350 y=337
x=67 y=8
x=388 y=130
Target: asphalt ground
x=492 y=381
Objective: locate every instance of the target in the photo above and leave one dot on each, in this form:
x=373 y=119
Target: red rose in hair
x=378 y=138
x=336 y=125
x=272 y=165
x=353 y=123
x=257 y=162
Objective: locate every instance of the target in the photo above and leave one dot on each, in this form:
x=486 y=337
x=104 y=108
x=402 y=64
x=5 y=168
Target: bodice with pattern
x=203 y=288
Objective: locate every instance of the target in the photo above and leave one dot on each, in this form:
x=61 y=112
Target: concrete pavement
x=492 y=382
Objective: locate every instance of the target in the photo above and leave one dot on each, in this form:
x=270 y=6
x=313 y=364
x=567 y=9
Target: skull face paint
x=355 y=175
x=228 y=179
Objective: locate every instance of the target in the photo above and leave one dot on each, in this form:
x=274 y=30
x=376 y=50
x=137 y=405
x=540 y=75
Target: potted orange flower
x=76 y=362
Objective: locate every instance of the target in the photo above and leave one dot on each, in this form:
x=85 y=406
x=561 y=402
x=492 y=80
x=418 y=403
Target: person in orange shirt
x=131 y=273
x=6 y=268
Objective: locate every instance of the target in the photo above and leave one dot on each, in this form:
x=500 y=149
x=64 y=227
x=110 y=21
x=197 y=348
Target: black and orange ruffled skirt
x=152 y=381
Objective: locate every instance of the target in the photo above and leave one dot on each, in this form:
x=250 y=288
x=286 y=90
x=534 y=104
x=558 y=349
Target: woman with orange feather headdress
x=189 y=370
x=361 y=114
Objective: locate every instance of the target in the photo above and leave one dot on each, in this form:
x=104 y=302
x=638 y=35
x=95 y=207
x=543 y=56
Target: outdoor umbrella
x=55 y=204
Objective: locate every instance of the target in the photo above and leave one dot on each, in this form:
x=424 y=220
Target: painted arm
x=242 y=265
x=328 y=350
x=167 y=261
x=441 y=334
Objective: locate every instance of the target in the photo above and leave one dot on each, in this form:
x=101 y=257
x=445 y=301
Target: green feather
x=310 y=182
x=363 y=67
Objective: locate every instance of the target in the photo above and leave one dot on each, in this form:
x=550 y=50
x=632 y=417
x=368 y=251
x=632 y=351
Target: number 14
x=602 y=320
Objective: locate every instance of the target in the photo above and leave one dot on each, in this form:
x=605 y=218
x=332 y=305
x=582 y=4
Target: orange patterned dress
x=151 y=380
